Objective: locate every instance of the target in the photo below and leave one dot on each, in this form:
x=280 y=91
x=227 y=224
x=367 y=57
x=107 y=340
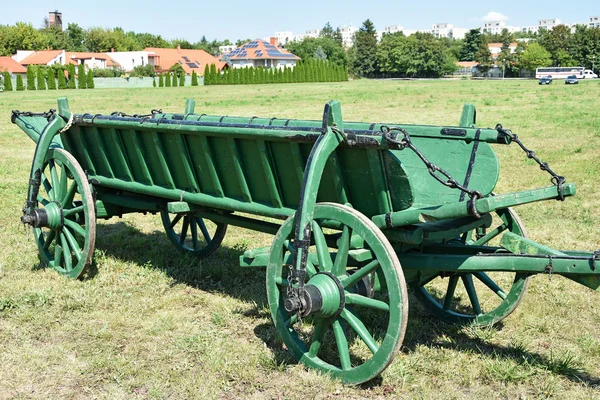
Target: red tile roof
x=260 y=50
x=10 y=65
x=467 y=64
x=190 y=60
x=41 y=57
x=513 y=44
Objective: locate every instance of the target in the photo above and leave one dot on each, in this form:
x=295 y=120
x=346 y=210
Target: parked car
x=571 y=80
x=545 y=80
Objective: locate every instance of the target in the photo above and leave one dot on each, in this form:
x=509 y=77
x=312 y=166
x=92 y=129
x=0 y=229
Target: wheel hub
x=323 y=295
x=50 y=216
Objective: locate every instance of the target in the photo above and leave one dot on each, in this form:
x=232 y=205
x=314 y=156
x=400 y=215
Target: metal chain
x=124 y=115
x=49 y=115
x=446 y=179
x=291 y=292
x=557 y=180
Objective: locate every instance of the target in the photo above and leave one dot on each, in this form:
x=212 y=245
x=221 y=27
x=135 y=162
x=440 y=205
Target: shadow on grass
x=221 y=273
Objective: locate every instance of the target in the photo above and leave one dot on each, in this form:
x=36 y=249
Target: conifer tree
x=182 y=79
x=194 y=78
x=51 y=79
x=30 y=77
x=207 y=74
x=41 y=81
x=71 y=83
x=175 y=79
x=62 y=81
x=167 y=79
x=90 y=80
x=153 y=82
x=81 y=77
x=20 y=86
x=161 y=80
x=8 y=87
x=213 y=74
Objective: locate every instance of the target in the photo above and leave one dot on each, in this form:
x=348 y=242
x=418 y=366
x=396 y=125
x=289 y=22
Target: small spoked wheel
x=479 y=298
x=66 y=231
x=356 y=289
x=193 y=234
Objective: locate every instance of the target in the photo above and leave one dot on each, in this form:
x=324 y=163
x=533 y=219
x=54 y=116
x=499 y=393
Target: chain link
x=557 y=180
x=436 y=172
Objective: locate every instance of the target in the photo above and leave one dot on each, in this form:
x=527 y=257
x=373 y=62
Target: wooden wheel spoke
x=325 y=263
x=204 y=230
x=341 y=259
x=49 y=239
x=310 y=269
x=47 y=186
x=291 y=321
x=175 y=221
x=470 y=287
x=69 y=195
x=353 y=279
x=75 y=227
x=184 y=229
x=42 y=200
x=489 y=282
x=363 y=301
x=194 y=229
x=66 y=252
x=490 y=235
x=72 y=211
x=73 y=244
x=289 y=246
x=342 y=345
x=282 y=282
x=318 y=336
x=58 y=253
x=360 y=329
x=55 y=182
x=452 y=282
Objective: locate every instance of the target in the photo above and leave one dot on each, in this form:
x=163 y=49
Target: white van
x=589 y=74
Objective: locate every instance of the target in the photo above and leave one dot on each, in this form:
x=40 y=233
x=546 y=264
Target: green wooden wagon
x=367 y=209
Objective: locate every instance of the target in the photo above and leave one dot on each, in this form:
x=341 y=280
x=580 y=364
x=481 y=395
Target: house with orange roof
x=496 y=48
x=50 y=57
x=7 y=64
x=190 y=60
x=259 y=53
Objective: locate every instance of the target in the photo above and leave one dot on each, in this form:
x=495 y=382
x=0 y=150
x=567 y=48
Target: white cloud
x=494 y=16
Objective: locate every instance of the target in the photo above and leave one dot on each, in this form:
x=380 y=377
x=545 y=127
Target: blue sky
x=235 y=19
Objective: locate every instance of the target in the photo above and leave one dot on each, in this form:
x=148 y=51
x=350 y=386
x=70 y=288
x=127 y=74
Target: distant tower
x=55 y=19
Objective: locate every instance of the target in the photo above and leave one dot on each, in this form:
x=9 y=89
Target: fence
x=113 y=83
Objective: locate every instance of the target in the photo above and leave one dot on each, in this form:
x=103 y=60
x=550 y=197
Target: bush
x=143 y=71
x=81 y=77
x=7 y=82
x=30 y=77
x=90 y=80
x=20 y=86
x=108 y=72
x=153 y=82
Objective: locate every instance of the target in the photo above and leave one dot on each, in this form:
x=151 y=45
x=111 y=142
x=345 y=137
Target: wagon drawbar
x=366 y=211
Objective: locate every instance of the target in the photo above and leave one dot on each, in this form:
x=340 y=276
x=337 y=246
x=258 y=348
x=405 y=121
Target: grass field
x=153 y=324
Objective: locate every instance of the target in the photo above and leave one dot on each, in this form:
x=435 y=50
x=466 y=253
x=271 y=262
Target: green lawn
x=153 y=324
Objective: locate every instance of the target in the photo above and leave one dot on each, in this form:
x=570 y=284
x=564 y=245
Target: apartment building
x=448 y=31
x=548 y=24
x=594 y=22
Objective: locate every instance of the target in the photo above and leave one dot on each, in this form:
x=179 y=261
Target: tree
x=175 y=80
x=90 y=80
x=471 y=45
x=535 y=56
x=182 y=79
x=329 y=33
x=207 y=75
x=213 y=74
x=484 y=58
x=194 y=78
x=320 y=54
x=62 y=81
x=585 y=47
x=71 y=82
x=558 y=42
x=41 y=79
x=20 y=87
x=161 y=80
x=81 y=77
x=307 y=48
x=167 y=79
x=30 y=77
x=365 y=61
x=7 y=82
x=51 y=78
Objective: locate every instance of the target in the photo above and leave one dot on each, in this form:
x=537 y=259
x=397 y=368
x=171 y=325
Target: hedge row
x=42 y=78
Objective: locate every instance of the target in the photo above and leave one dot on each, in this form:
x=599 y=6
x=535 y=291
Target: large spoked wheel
x=192 y=234
x=477 y=298
x=67 y=243
x=361 y=325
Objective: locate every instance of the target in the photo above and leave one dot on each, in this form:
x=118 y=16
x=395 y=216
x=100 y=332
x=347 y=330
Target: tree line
x=423 y=55
x=42 y=77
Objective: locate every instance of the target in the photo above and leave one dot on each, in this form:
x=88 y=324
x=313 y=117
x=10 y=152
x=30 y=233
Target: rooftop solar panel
x=192 y=65
x=186 y=59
